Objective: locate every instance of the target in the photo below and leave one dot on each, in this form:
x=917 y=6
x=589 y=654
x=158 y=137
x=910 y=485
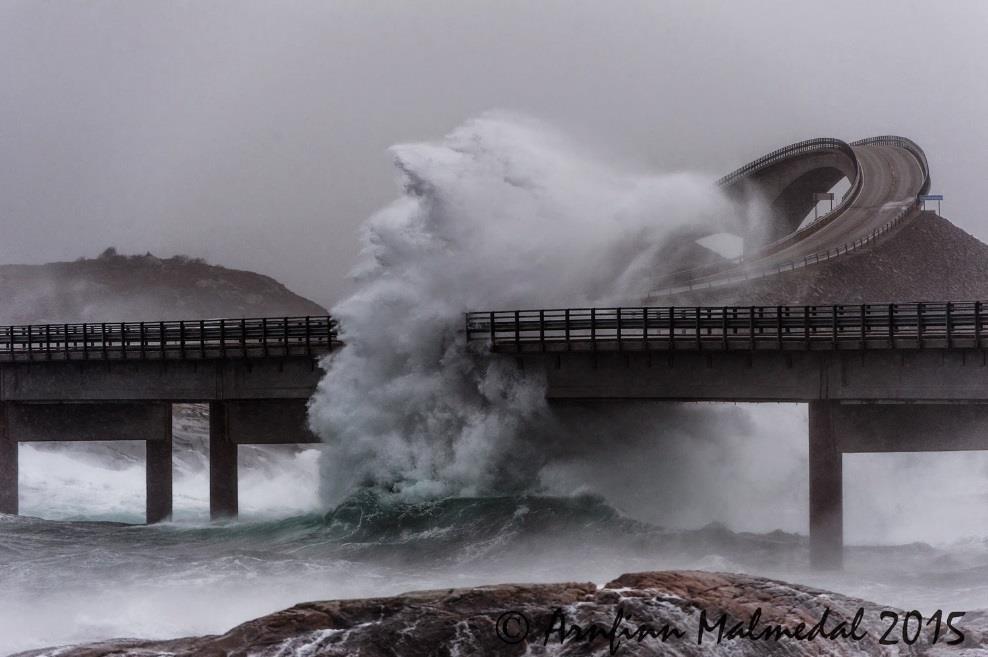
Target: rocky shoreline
x=685 y=613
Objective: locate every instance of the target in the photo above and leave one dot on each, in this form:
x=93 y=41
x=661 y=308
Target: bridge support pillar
x=8 y=464
x=826 y=490
x=223 y=501
x=159 y=473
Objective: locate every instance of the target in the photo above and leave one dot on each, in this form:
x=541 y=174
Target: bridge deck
x=954 y=325
x=266 y=337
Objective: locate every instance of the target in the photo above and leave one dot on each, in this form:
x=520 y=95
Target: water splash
x=504 y=212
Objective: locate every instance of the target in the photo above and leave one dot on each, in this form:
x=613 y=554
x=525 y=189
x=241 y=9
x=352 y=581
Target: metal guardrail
x=799 y=148
x=921 y=325
x=907 y=144
x=266 y=337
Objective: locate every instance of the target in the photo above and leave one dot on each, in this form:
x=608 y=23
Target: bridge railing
x=907 y=144
x=818 y=144
x=921 y=325
x=196 y=339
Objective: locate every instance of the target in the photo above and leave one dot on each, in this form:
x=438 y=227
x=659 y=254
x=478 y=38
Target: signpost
x=931 y=197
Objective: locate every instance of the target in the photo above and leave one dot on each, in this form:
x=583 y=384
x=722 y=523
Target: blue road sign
x=931 y=197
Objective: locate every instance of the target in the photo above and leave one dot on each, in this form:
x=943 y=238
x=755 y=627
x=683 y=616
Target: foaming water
x=71 y=581
x=66 y=581
x=503 y=213
x=65 y=484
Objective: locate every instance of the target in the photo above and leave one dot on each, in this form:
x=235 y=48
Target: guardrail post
x=518 y=330
x=806 y=327
x=892 y=326
x=542 y=330
x=699 y=344
x=751 y=326
x=620 y=345
x=919 y=324
x=834 y=311
x=593 y=329
x=864 y=326
x=778 y=325
x=644 y=328
x=723 y=328
x=566 y=324
x=672 y=328
x=950 y=337
x=977 y=325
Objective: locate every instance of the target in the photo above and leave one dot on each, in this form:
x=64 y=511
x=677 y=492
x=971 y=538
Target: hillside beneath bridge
x=927 y=259
x=117 y=288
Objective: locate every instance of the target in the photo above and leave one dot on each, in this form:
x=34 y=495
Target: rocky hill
x=117 y=288
x=556 y=619
x=926 y=259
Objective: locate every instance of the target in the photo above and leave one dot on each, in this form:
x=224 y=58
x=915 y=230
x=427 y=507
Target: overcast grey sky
x=255 y=133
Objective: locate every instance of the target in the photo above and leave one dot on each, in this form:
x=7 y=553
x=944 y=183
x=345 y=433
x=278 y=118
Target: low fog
x=546 y=154
x=254 y=134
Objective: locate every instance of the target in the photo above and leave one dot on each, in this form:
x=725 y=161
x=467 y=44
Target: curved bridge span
x=886 y=175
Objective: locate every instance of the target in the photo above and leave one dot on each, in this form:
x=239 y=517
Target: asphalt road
x=891 y=179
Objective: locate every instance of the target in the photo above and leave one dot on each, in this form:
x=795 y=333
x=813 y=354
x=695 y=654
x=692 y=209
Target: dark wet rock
x=465 y=622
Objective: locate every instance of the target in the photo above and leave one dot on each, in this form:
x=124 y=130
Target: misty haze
x=323 y=302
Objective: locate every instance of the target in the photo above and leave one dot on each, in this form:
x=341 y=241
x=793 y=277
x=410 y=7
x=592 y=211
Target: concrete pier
x=117 y=381
x=223 y=500
x=71 y=422
x=826 y=489
x=231 y=423
x=159 y=475
x=8 y=464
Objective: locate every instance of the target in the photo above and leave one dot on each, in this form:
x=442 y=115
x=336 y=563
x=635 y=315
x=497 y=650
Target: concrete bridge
x=117 y=381
x=890 y=377
x=886 y=175
x=877 y=377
